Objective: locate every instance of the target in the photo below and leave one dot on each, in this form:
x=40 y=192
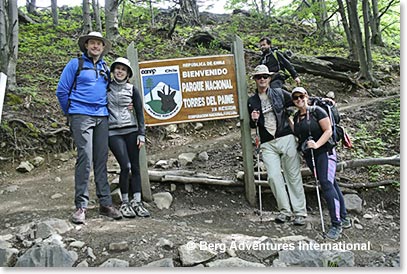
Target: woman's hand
x=312 y=144
x=255 y=115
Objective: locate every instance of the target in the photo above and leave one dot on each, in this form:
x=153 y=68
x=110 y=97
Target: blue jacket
x=90 y=95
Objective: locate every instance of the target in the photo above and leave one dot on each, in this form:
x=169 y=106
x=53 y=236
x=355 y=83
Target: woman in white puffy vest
x=126 y=135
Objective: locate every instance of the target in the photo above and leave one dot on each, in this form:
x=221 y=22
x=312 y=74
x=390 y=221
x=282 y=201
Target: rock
x=116 y=196
x=7 y=255
x=57 y=180
x=166 y=244
x=48 y=255
x=163 y=200
x=353 y=203
x=77 y=244
x=25 y=167
x=233 y=262
x=187 y=158
x=37 y=161
x=191 y=254
x=368 y=216
x=173 y=128
x=121 y=246
x=84 y=263
x=198 y=126
x=189 y=188
x=12 y=188
x=166 y=262
x=203 y=156
x=57 y=196
x=314 y=256
x=115 y=263
x=162 y=164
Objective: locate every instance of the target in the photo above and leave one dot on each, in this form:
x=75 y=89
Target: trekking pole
x=319 y=197
x=258 y=171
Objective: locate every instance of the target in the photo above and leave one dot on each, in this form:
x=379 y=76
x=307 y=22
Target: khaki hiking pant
x=282 y=161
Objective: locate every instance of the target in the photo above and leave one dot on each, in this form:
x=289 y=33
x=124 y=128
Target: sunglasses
x=296 y=97
x=264 y=76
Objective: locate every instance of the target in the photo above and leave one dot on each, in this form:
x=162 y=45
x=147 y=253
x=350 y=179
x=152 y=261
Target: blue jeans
x=90 y=134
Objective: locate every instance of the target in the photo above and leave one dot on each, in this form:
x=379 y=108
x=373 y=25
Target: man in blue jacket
x=83 y=98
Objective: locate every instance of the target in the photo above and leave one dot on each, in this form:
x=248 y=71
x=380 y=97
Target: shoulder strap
x=78 y=71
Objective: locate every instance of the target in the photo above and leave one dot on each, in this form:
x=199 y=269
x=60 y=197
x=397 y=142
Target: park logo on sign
x=162 y=93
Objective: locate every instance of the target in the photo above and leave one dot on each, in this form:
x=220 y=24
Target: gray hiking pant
x=281 y=154
x=90 y=134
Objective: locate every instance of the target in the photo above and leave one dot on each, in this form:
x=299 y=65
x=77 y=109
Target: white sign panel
x=3 y=82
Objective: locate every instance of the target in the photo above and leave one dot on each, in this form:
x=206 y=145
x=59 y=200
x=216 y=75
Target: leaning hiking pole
x=258 y=171
x=318 y=196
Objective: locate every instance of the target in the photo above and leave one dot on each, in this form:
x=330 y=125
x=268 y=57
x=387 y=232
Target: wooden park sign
x=189 y=89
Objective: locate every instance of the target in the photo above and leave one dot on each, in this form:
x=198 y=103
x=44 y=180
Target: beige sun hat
x=299 y=90
x=94 y=35
x=122 y=61
x=261 y=70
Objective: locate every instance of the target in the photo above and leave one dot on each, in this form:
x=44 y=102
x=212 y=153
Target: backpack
x=338 y=132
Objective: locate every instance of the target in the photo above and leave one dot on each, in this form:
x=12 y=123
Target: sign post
x=145 y=180
x=247 y=147
x=3 y=82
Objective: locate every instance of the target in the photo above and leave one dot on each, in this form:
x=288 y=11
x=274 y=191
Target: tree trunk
x=31 y=6
x=150 y=4
x=321 y=17
x=369 y=59
x=189 y=12
x=9 y=41
x=54 y=11
x=4 y=50
x=375 y=25
x=96 y=12
x=87 y=23
x=112 y=25
x=347 y=30
x=357 y=32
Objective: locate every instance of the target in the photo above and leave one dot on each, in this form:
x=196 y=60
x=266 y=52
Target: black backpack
x=338 y=132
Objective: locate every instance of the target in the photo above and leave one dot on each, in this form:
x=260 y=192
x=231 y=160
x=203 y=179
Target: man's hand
x=297 y=80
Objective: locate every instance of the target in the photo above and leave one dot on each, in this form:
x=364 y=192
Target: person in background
x=277 y=63
x=267 y=109
x=313 y=128
x=83 y=99
x=126 y=135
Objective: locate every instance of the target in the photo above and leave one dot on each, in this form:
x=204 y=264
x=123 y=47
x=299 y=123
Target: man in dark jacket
x=277 y=63
x=267 y=109
x=83 y=99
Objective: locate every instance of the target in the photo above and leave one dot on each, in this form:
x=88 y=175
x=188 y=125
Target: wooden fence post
x=246 y=139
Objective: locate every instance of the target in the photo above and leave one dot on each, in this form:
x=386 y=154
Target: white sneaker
x=127 y=211
x=139 y=209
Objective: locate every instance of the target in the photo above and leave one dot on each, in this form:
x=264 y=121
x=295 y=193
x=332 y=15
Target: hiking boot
x=334 y=233
x=110 y=211
x=127 y=211
x=79 y=216
x=139 y=208
x=346 y=223
x=299 y=220
x=282 y=218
